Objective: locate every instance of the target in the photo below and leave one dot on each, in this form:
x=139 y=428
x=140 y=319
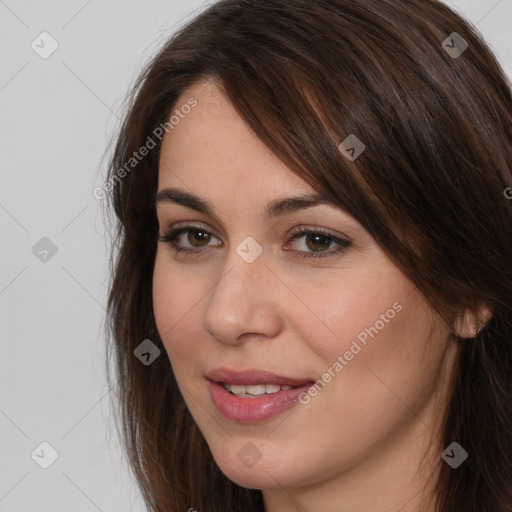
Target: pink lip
x=253 y=410
x=253 y=376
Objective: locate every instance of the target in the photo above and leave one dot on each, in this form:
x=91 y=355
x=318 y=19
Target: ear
x=468 y=324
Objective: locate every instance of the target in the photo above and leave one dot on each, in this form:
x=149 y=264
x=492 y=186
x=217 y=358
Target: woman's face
x=252 y=307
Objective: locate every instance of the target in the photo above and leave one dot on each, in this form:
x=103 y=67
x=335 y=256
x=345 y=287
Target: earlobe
x=468 y=325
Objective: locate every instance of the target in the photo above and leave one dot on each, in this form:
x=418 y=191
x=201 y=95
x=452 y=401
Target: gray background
x=56 y=117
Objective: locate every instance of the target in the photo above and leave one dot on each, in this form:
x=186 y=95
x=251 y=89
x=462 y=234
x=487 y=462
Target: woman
x=311 y=301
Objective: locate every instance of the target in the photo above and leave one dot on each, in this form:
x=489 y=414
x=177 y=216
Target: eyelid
x=341 y=241
x=304 y=228
x=193 y=225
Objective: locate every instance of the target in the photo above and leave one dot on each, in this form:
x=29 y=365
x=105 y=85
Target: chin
x=253 y=479
x=257 y=474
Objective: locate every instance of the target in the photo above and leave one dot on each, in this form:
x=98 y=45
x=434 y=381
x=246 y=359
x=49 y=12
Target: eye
x=197 y=238
x=316 y=240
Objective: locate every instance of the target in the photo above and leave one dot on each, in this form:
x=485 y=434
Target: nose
x=245 y=301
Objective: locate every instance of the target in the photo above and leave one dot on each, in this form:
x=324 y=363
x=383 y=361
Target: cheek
x=384 y=356
x=163 y=299
x=350 y=306
x=379 y=325
x=176 y=305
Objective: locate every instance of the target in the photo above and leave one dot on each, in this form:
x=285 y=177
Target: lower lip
x=252 y=410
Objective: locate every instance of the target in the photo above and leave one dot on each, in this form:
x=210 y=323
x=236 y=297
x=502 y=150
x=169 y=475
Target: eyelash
x=170 y=239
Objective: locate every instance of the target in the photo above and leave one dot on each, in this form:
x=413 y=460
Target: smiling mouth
x=255 y=390
x=253 y=395
x=252 y=403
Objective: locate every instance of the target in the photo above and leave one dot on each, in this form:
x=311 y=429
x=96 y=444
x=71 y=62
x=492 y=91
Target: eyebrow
x=276 y=208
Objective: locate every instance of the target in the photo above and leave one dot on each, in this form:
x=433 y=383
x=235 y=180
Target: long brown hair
x=419 y=87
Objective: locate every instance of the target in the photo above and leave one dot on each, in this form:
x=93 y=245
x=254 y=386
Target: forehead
x=212 y=149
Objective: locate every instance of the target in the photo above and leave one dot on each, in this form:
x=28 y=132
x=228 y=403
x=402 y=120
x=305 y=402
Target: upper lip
x=253 y=376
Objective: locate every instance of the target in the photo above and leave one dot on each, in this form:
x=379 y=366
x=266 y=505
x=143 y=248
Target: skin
x=358 y=444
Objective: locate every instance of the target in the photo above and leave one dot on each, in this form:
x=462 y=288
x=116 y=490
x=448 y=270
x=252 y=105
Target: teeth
x=254 y=390
x=237 y=389
x=272 y=388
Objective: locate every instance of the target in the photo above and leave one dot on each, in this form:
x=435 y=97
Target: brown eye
x=192 y=243
x=198 y=236
x=318 y=241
